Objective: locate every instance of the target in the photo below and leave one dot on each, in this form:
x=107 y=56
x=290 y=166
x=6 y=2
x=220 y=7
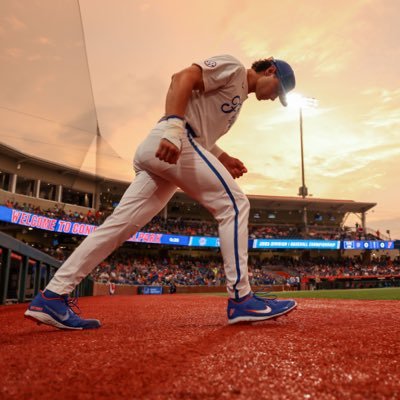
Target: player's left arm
x=234 y=166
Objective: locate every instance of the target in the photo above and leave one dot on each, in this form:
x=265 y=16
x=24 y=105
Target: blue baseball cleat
x=254 y=308
x=53 y=309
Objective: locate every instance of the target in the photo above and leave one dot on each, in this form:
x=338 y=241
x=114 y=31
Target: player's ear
x=270 y=70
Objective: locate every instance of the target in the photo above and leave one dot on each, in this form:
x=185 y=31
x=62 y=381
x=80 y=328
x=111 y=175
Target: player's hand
x=235 y=167
x=167 y=152
x=170 y=145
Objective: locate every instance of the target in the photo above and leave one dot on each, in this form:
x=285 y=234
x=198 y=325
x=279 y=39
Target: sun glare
x=297 y=100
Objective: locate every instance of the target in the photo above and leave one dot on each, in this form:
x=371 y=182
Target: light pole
x=303 y=191
x=301 y=102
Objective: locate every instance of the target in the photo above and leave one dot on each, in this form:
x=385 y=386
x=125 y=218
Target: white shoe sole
x=43 y=318
x=249 y=318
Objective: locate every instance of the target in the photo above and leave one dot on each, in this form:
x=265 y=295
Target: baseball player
x=202 y=103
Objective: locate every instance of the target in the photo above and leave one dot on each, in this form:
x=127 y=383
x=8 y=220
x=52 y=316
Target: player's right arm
x=180 y=90
x=179 y=93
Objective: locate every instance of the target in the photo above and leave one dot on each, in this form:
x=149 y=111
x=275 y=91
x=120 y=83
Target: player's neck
x=252 y=78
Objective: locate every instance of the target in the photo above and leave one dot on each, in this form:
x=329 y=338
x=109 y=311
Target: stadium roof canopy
x=20 y=157
x=326 y=205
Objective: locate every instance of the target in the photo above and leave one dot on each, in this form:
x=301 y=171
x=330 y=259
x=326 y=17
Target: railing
x=25 y=270
x=382 y=236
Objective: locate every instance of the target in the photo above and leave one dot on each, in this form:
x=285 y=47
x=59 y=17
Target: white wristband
x=174 y=131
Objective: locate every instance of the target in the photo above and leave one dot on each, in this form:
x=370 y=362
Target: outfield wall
x=102 y=289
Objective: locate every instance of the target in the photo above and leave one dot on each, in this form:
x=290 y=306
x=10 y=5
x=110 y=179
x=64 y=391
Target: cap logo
x=210 y=63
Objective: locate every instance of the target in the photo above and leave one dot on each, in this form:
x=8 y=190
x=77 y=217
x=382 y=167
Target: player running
x=203 y=102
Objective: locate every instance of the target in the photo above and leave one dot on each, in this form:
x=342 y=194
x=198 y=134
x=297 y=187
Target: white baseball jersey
x=225 y=90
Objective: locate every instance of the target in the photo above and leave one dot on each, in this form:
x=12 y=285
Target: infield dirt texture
x=180 y=347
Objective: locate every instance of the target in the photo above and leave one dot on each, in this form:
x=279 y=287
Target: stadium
x=285 y=248
x=162 y=295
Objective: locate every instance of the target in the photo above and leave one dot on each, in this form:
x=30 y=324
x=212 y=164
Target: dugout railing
x=25 y=270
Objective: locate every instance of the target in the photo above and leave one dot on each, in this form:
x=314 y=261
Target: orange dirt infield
x=180 y=347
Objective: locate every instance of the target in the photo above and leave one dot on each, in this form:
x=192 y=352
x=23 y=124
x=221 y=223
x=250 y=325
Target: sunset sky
x=67 y=65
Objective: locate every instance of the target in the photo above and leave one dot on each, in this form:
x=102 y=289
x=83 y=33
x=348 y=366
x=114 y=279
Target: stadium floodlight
x=299 y=101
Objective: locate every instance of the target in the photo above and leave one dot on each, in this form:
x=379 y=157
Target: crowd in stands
x=203 y=228
x=181 y=227
x=127 y=267
x=182 y=271
x=59 y=212
x=124 y=268
x=185 y=270
x=345 y=267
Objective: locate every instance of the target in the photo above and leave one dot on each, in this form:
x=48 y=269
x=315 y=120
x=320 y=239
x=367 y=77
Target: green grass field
x=353 y=294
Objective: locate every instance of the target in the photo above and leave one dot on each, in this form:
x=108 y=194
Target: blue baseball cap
x=285 y=74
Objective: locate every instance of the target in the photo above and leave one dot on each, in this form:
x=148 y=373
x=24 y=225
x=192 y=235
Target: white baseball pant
x=198 y=173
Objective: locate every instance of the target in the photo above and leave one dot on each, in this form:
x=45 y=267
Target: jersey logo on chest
x=233 y=106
